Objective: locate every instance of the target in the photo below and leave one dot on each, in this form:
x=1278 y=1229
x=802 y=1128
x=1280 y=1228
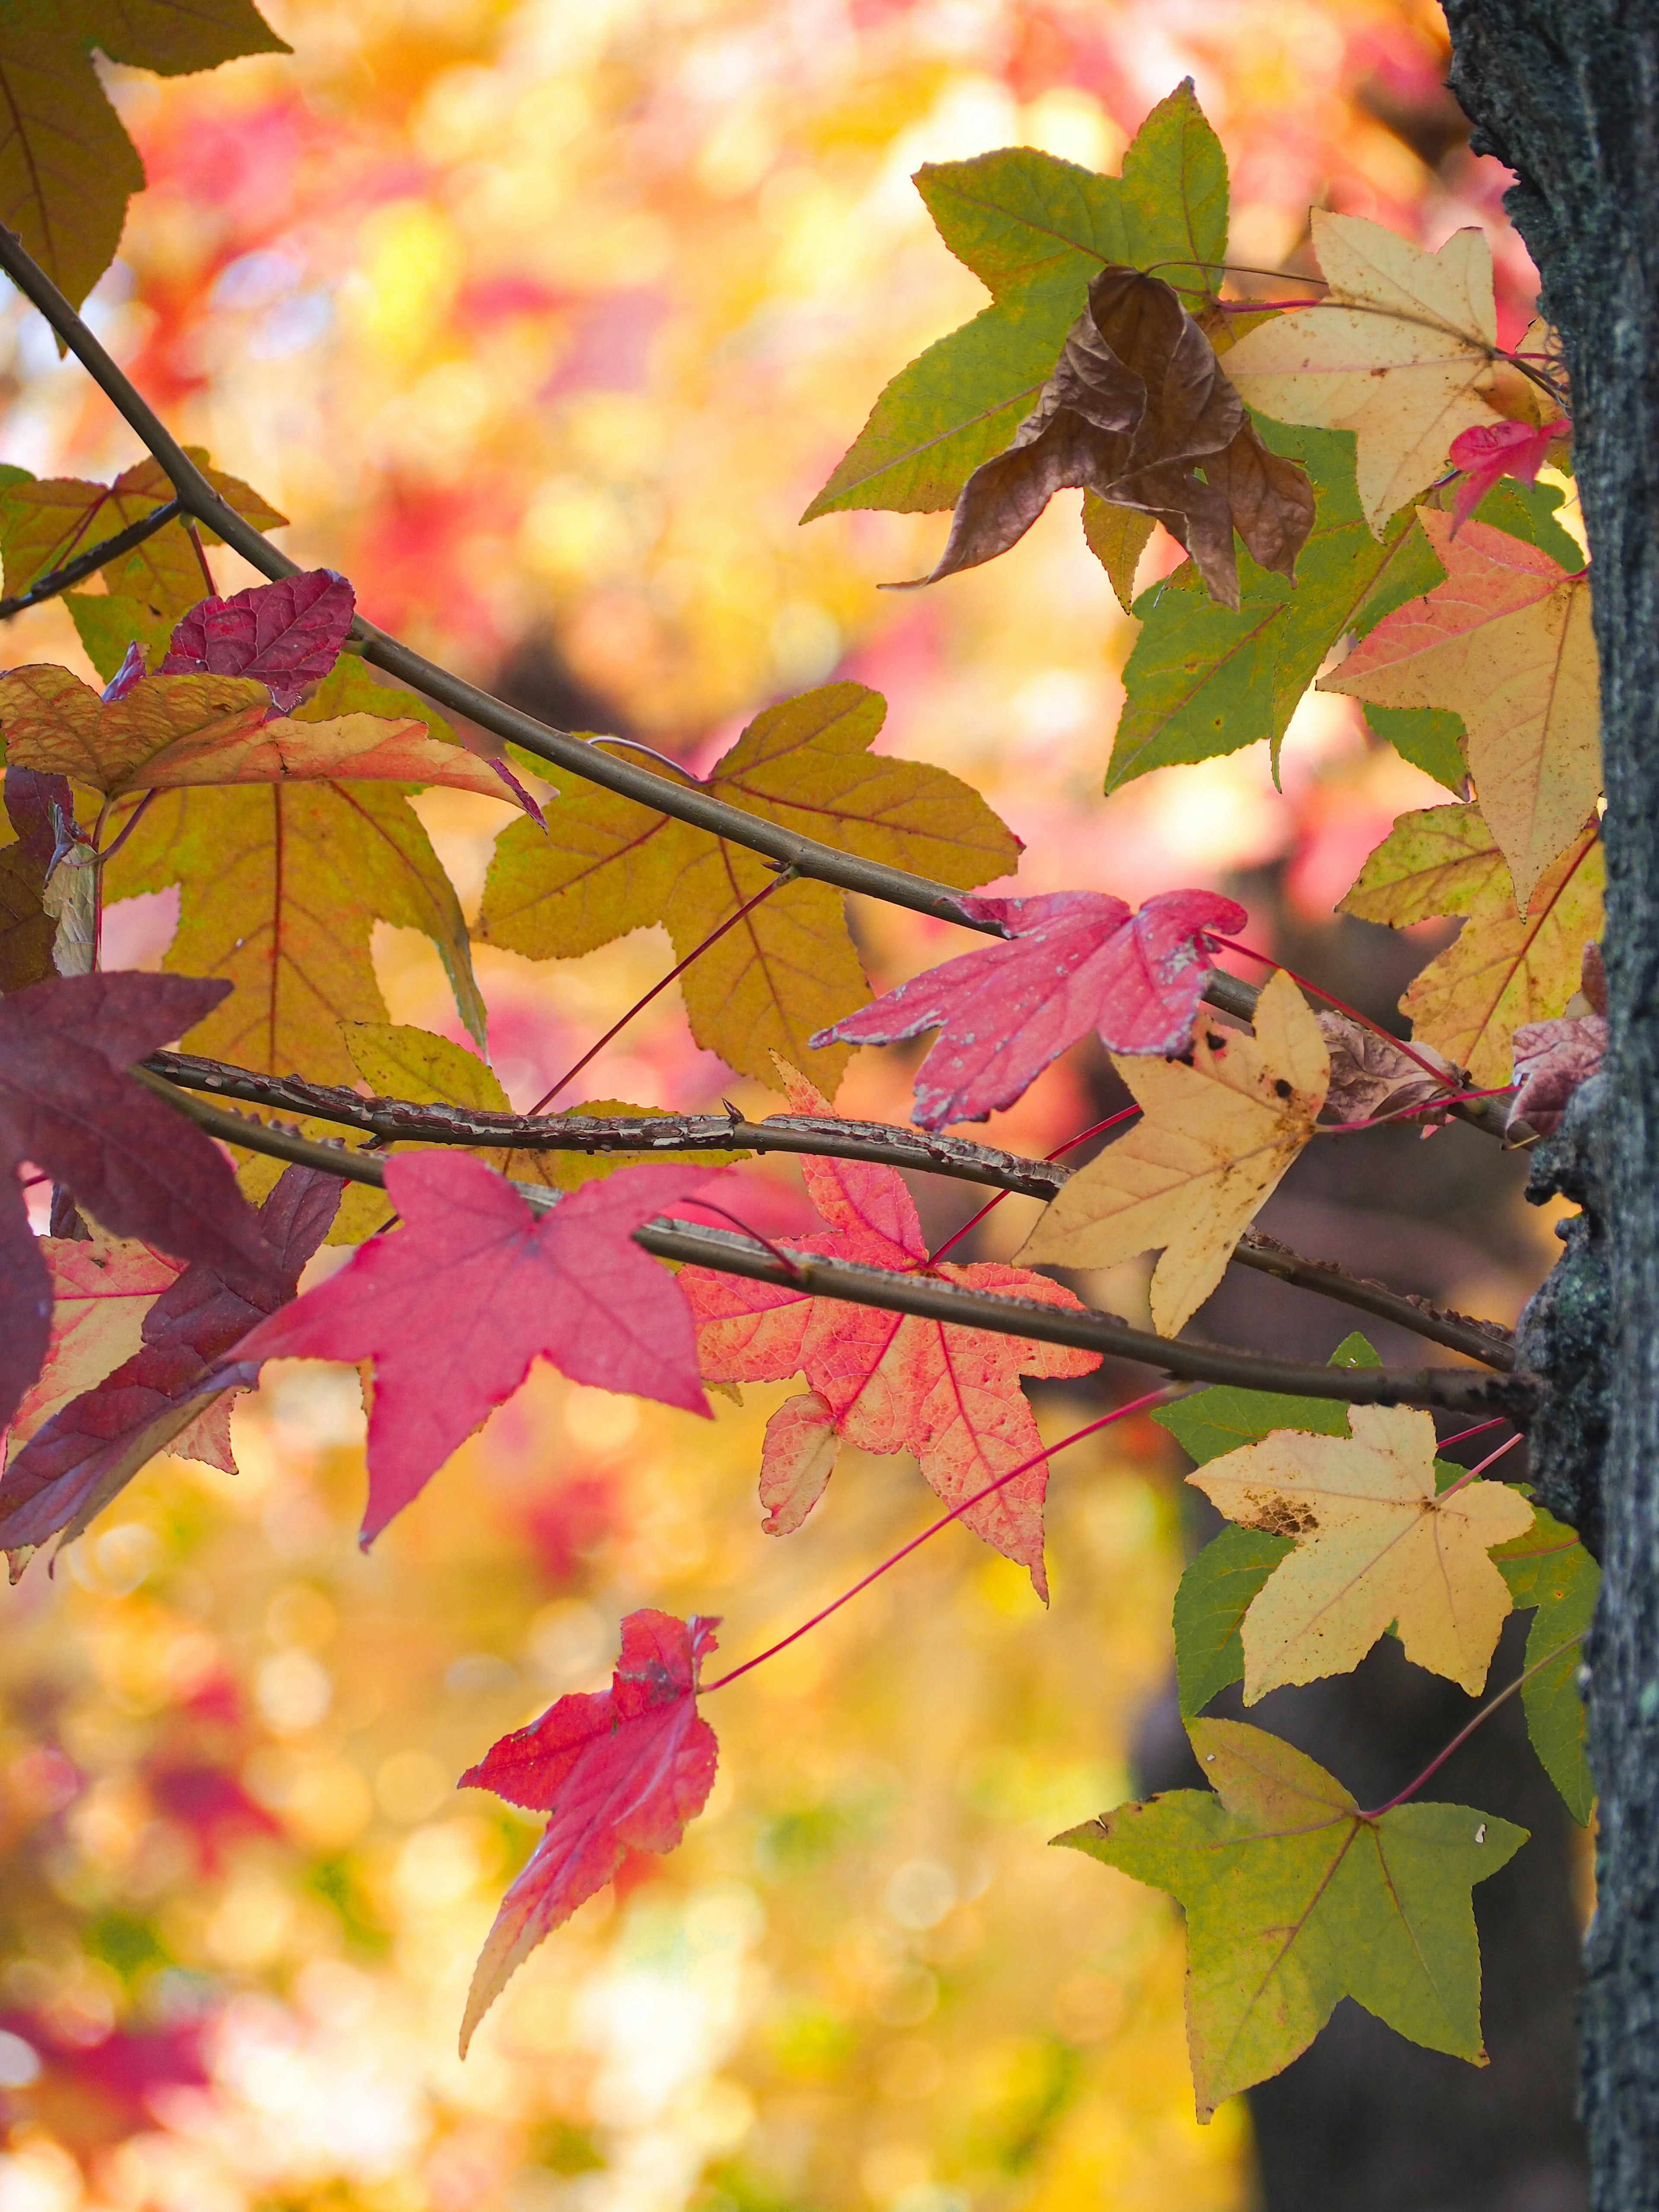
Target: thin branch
x=394 y=1120
x=1454 y=1389
x=87 y=563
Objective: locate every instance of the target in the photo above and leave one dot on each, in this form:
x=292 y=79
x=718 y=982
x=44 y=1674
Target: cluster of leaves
x=242 y=752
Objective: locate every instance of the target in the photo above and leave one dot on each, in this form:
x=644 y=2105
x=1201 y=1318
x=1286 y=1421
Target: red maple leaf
x=619 y=1770
x=287 y=635
x=1072 y=960
x=68 y=1104
x=1491 y=450
x=454 y=1306
x=886 y=1381
x=76 y=1461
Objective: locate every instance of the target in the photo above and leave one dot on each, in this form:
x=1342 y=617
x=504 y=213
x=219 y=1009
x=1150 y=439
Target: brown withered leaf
x=1136 y=405
x=1371 y=1076
x=27 y=930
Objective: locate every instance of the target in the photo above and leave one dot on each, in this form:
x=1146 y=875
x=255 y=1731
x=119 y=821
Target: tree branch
x=1452 y=1389
x=85 y=564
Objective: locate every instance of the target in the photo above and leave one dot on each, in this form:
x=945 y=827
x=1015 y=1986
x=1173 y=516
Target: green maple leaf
x=67 y=166
x=1549 y=1568
x=1294 y=1898
x=1034 y=229
x=1218 y=1586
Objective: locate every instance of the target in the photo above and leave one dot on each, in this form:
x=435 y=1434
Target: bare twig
x=1453 y=1390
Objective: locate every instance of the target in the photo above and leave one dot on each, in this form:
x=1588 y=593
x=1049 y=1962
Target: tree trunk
x=1567 y=94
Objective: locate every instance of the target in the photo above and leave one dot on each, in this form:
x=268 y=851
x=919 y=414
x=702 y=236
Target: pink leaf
x=78 y=1461
x=1072 y=961
x=1552 y=1059
x=887 y=1381
x=68 y=1104
x=287 y=635
x=453 y=1307
x=618 y=1770
x=131 y=671
x=1493 y=450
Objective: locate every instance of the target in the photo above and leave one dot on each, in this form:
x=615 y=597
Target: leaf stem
x=1471 y=1474
x=1469 y=1727
x=127 y=828
x=783 y=876
x=1071 y=1144
x=201 y=559
x=967 y=1506
x=1409 y=1113
x=1341 y=1006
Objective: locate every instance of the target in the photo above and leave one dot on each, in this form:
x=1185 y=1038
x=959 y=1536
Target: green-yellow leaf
x=607 y=866
x=67 y=168
x=1549 y=1568
x=1034 y=229
x=1117 y=537
x=1505 y=968
x=1294 y=1899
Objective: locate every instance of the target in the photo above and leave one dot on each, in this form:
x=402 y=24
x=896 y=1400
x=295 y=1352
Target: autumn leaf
x=1215 y=1135
x=1549 y=1568
x=1117 y=537
x=881 y=1382
x=27 y=930
x=1552 y=1059
x=1400 y=351
x=1372 y=1077
x=1493 y=450
x=68 y=1105
x=167 y=1395
x=45 y=522
x=618 y=1770
x=454 y=1306
x=287 y=633
x=102 y=1286
x=1505 y=970
x=1135 y=405
x=1376 y=1543
x=1035 y=230
x=67 y=166
x=607 y=866
x=1295 y=1898
x=1505 y=642
x=1070 y=962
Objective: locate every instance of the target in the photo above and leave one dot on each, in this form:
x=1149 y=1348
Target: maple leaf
x=1400 y=351
x=68 y=1104
x=1371 y=1076
x=282 y=885
x=1135 y=405
x=45 y=522
x=67 y=168
x=618 y=1770
x=1506 y=643
x=1070 y=962
x=102 y=1286
x=453 y=1307
x=167 y=1394
x=1491 y=450
x=881 y=1382
x=1034 y=229
x=1295 y=1898
x=1374 y=1544
x=1505 y=970
x=27 y=930
x=287 y=633
x=607 y=866
x=1549 y=1568
x=1215 y=1135
x=1552 y=1059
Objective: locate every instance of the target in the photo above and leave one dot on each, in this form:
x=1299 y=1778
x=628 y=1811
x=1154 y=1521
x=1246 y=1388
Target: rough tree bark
x=1567 y=94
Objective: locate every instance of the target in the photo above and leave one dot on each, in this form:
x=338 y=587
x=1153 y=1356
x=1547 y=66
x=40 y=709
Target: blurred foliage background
x=543 y=322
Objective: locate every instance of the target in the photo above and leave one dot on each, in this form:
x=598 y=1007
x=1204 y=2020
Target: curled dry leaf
x=1504 y=641
x=1294 y=1898
x=454 y=1306
x=1070 y=962
x=1136 y=405
x=1374 y=1544
x=1552 y=1059
x=287 y=633
x=1372 y=1077
x=1401 y=351
x=882 y=1382
x=1216 y=1134
x=618 y=1770
x=167 y=1394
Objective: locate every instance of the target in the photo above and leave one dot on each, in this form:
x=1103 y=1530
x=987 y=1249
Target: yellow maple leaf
x=1216 y=1136
x=1505 y=642
x=1401 y=351
x=1375 y=1544
x=1505 y=968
